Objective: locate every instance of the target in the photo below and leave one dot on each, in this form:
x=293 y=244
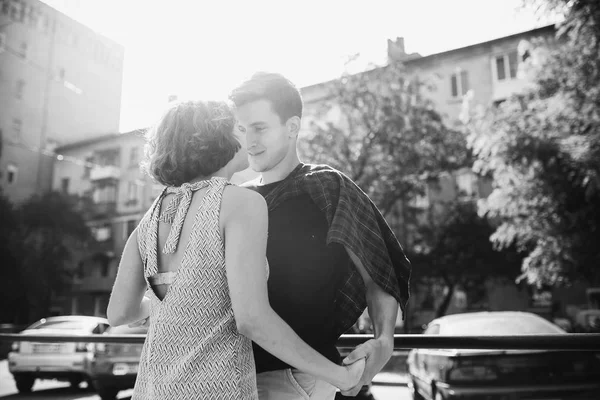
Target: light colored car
x=443 y=374
x=115 y=365
x=29 y=361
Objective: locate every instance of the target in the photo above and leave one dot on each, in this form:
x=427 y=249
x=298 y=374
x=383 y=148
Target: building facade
x=104 y=175
x=487 y=73
x=59 y=82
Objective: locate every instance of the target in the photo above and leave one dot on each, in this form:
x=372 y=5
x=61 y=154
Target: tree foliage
x=40 y=240
x=542 y=147
x=461 y=255
x=380 y=130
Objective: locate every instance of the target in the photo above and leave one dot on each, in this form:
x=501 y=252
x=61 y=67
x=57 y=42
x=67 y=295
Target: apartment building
x=491 y=71
x=60 y=82
x=104 y=174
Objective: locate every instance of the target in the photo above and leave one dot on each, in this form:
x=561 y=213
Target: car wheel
x=107 y=393
x=24 y=383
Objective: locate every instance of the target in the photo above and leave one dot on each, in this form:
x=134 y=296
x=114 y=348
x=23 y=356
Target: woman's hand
x=353 y=374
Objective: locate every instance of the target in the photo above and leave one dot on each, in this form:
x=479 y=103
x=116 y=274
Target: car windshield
x=125 y=330
x=499 y=325
x=65 y=325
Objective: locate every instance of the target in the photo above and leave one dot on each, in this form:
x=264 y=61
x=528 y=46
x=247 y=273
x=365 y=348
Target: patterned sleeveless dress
x=193 y=349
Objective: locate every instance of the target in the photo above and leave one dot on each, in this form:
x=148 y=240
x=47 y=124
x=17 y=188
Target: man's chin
x=257 y=168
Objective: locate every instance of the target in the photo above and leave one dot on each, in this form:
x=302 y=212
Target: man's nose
x=251 y=140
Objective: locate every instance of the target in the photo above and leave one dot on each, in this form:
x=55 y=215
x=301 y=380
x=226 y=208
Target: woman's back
x=193 y=348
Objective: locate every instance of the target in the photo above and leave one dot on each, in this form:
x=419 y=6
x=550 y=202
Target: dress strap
x=179 y=206
x=162 y=278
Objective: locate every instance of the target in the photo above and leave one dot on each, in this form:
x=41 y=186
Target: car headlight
x=15 y=346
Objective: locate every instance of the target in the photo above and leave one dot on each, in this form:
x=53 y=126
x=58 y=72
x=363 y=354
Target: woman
x=200 y=252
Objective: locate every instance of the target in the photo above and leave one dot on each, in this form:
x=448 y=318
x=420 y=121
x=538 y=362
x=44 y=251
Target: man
x=329 y=249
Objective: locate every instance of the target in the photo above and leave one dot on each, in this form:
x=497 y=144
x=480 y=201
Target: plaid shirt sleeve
x=356 y=223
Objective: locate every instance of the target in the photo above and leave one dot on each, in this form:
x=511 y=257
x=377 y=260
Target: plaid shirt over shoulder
x=355 y=222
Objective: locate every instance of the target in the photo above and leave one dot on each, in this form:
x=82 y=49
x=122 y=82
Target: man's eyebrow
x=258 y=123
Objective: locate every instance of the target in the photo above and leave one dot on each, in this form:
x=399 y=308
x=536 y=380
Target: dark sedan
x=441 y=374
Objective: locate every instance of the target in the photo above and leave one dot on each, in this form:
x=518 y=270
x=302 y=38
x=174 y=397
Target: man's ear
x=293 y=126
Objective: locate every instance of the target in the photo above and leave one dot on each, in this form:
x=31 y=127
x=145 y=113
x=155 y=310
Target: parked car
x=442 y=374
x=587 y=321
x=29 y=361
x=115 y=365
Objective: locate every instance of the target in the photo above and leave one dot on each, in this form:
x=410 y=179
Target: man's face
x=267 y=136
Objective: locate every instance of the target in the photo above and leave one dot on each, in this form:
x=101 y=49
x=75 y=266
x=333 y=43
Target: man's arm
x=383 y=310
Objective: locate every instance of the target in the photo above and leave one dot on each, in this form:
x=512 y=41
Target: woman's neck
x=224 y=172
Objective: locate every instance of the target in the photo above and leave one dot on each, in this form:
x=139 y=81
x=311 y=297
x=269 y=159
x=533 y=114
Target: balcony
x=99 y=173
x=91 y=210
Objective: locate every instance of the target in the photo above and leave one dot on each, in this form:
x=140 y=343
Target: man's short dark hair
x=193 y=139
x=284 y=96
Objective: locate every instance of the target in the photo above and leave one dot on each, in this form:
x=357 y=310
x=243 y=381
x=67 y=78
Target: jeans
x=291 y=384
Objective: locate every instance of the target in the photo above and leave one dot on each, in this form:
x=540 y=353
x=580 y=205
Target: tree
x=542 y=147
x=461 y=255
x=46 y=231
x=10 y=295
x=388 y=136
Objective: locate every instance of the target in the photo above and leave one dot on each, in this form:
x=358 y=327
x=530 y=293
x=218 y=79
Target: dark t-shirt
x=304 y=275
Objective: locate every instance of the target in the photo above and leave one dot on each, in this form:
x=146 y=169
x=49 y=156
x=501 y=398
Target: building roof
x=544 y=29
x=416 y=60
x=98 y=139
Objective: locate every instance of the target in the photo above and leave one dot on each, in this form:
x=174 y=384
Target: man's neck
x=281 y=171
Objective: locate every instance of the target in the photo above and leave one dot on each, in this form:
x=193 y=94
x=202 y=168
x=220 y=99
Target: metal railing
x=569 y=341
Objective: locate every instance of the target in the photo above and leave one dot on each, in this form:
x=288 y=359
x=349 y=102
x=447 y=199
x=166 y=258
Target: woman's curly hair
x=192 y=139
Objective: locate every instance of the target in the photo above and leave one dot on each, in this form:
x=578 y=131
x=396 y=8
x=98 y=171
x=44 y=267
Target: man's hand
x=377 y=353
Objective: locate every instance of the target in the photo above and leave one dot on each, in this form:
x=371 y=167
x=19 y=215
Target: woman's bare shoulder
x=238 y=200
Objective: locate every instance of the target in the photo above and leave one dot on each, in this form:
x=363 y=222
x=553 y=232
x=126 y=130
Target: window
x=16 y=11
x=5 y=7
x=11 y=174
x=105 y=194
x=132 y=193
x=20 y=86
x=101 y=233
x=89 y=163
x=64 y=185
x=23 y=50
x=421 y=201
x=2 y=41
x=107 y=157
x=467 y=183
x=80 y=270
x=33 y=17
x=17 y=126
x=43 y=23
x=134 y=157
x=506 y=66
x=104 y=268
x=459 y=83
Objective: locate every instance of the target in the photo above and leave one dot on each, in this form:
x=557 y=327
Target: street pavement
x=387 y=387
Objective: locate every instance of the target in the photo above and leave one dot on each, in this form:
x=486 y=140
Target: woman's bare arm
x=127 y=302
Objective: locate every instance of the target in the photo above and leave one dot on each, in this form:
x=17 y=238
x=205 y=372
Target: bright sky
x=203 y=48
